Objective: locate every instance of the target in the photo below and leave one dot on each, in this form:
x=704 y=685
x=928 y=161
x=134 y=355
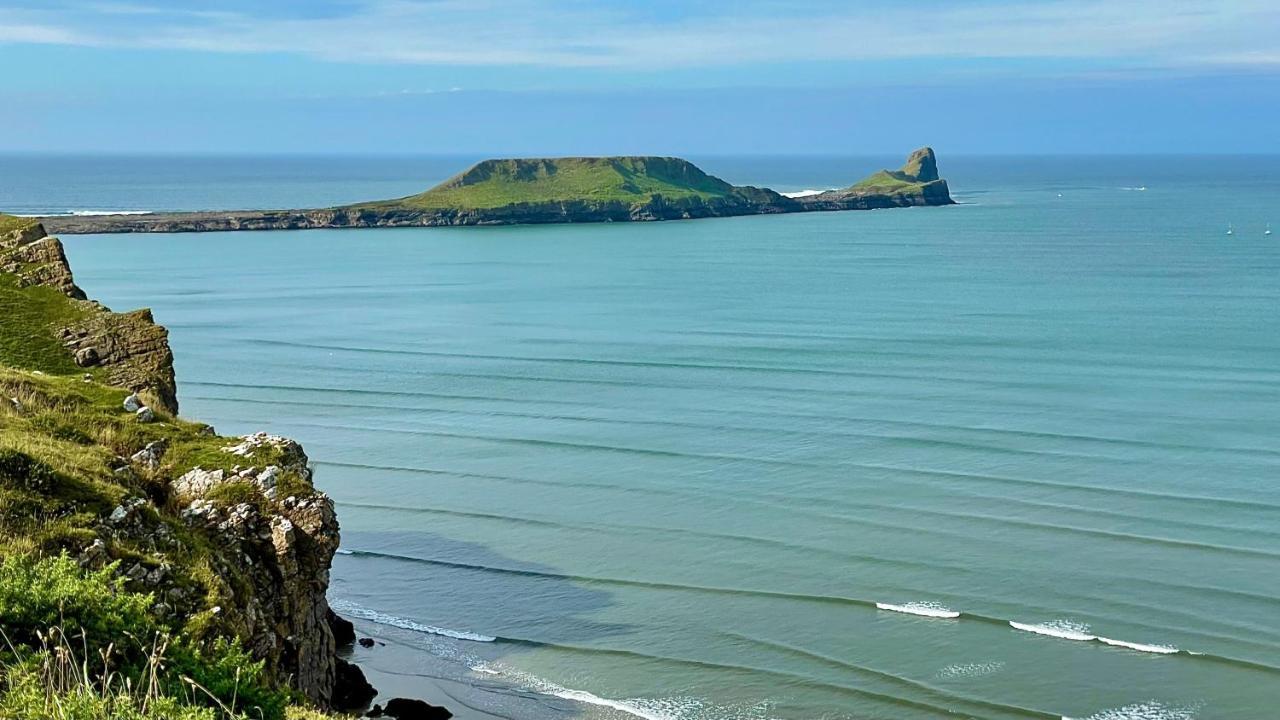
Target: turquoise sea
x=752 y=468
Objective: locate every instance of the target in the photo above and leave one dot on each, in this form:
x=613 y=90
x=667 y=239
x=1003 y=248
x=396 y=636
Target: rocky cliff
x=916 y=183
x=129 y=349
x=557 y=190
x=228 y=535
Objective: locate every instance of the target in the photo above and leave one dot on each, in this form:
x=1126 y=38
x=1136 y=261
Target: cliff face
x=130 y=347
x=228 y=534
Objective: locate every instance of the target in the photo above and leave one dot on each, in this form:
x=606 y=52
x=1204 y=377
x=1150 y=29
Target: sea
x=1013 y=458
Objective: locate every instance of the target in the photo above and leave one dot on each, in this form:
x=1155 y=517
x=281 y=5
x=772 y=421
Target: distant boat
x=1268 y=230
x=1230 y=230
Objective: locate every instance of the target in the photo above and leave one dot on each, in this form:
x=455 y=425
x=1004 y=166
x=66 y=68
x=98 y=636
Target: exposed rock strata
x=130 y=347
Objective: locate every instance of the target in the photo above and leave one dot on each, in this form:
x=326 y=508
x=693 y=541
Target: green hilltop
x=499 y=183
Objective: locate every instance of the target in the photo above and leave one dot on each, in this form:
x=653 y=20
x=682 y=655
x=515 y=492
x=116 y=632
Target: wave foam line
x=1141 y=647
x=923 y=609
x=1064 y=631
x=804 y=193
x=364 y=613
x=86 y=213
x=1074 y=631
x=546 y=687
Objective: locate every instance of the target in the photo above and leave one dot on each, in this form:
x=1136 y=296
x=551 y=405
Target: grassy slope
x=60 y=445
x=888 y=182
x=9 y=223
x=29 y=320
x=496 y=183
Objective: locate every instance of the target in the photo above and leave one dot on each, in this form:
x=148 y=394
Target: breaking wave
x=84 y=213
x=804 y=193
x=668 y=708
x=364 y=613
x=1069 y=630
x=924 y=609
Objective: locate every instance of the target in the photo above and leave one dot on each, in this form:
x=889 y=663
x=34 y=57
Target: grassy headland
x=554 y=190
x=114 y=603
x=498 y=183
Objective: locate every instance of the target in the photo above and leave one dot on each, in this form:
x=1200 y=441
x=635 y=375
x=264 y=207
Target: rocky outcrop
x=922 y=165
x=267 y=565
x=36 y=259
x=915 y=184
x=131 y=349
x=715 y=198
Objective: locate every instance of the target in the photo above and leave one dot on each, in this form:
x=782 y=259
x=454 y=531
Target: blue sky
x=693 y=77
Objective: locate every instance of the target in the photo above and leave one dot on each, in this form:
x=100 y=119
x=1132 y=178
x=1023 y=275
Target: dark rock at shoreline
x=366 y=642
x=351 y=690
x=408 y=709
x=344 y=633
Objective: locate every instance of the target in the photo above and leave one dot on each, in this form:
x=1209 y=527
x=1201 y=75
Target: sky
x=697 y=77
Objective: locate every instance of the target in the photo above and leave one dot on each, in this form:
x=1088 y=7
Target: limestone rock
x=131 y=348
x=150 y=455
x=197 y=482
x=145 y=414
x=132 y=403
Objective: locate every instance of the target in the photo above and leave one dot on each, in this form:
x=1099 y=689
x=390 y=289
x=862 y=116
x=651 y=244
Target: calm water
x=668 y=470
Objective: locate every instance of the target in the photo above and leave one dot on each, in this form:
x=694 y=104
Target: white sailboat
x=1230 y=230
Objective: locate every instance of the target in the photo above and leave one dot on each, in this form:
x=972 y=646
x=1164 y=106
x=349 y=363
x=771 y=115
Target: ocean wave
x=1150 y=710
x=1064 y=629
x=804 y=193
x=349 y=608
x=1070 y=630
x=1141 y=647
x=85 y=213
x=924 y=609
x=665 y=708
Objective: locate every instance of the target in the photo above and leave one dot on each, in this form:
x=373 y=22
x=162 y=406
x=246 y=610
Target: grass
x=498 y=183
x=29 y=320
x=60 y=450
x=9 y=223
x=78 y=646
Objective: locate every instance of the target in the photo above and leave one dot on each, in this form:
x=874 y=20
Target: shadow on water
x=446 y=613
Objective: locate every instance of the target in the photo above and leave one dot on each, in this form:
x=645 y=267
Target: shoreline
x=542 y=214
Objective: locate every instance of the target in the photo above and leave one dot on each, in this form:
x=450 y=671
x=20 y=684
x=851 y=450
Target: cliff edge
x=223 y=541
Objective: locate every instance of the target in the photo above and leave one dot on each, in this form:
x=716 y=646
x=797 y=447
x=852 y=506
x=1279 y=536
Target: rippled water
x=748 y=468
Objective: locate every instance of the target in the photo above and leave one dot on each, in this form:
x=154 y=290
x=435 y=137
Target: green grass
x=497 y=183
x=58 y=457
x=30 y=318
x=9 y=223
x=887 y=182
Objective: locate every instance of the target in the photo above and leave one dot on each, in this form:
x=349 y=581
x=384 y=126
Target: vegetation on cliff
x=498 y=183
x=144 y=561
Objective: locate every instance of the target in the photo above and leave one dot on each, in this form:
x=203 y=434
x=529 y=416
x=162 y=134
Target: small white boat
x=1230 y=230
x=1268 y=230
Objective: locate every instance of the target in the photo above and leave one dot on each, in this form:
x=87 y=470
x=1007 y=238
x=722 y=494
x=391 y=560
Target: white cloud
x=1139 y=33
